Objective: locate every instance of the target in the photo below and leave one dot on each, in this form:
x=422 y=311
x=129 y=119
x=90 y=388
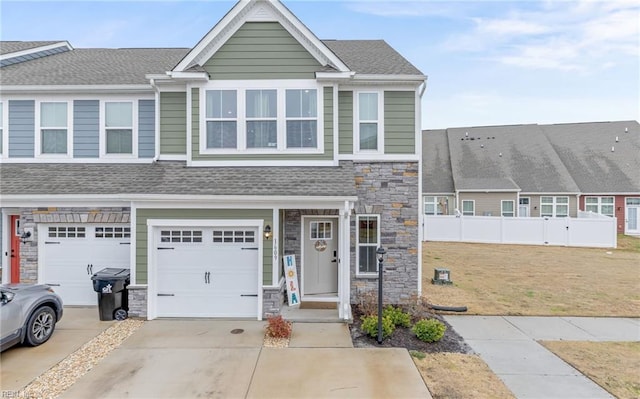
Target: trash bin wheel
x=120 y=314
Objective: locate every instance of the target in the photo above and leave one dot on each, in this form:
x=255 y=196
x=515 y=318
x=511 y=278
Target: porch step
x=311 y=315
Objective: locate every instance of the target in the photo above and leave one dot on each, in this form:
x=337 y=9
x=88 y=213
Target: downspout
x=421 y=90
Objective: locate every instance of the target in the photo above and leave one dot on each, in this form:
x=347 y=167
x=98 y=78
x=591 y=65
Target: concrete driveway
x=21 y=365
x=225 y=359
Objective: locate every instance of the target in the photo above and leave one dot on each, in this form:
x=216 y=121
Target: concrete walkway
x=508 y=345
x=225 y=359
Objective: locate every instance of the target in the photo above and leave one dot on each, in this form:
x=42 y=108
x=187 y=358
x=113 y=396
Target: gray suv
x=28 y=314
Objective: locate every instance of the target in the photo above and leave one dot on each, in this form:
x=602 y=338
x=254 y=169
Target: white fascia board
x=364 y=157
x=611 y=194
x=120 y=89
x=111 y=160
x=430 y=194
x=317 y=43
x=334 y=76
x=553 y=194
x=263 y=163
x=35 y=50
x=195 y=76
x=491 y=190
x=176 y=201
x=392 y=78
x=211 y=35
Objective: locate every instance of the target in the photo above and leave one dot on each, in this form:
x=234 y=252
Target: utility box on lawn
x=441 y=277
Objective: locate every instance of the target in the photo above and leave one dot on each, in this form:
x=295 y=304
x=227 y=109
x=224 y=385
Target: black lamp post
x=380 y=252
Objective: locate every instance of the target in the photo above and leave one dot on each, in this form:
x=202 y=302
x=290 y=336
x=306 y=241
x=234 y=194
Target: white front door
x=72 y=253
x=320 y=258
x=632 y=216
x=207 y=271
x=523 y=207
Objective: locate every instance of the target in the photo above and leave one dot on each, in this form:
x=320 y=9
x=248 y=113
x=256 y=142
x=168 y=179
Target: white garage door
x=71 y=253
x=207 y=272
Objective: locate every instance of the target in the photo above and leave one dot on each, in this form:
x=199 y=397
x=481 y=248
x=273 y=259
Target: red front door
x=15 y=250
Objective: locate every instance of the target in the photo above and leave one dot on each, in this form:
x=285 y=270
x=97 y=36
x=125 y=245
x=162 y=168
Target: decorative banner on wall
x=291 y=279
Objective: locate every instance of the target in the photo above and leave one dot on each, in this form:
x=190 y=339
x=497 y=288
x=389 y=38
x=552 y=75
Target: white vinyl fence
x=588 y=230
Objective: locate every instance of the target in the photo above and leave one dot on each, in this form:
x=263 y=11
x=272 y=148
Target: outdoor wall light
x=267 y=232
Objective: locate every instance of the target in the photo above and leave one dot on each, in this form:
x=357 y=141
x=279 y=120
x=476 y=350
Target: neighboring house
x=534 y=171
x=201 y=168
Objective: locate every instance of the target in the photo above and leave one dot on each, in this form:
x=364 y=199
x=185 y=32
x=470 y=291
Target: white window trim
x=356 y=122
x=4 y=127
x=435 y=203
x=628 y=203
x=474 y=207
x=555 y=205
x=134 y=128
x=241 y=88
x=528 y=205
x=38 y=129
x=358 y=272
x=600 y=204
x=513 y=211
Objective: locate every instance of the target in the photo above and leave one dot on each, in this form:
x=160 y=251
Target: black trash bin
x=113 y=297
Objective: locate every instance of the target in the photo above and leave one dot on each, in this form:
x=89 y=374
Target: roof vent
x=617 y=139
x=626 y=130
x=466 y=134
x=500 y=154
x=613 y=149
x=481 y=145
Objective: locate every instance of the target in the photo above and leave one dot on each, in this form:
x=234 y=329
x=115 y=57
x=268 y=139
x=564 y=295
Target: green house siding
x=399 y=122
x=144 y=214
x=345 y=122
x=262 y=50
x=173 y=122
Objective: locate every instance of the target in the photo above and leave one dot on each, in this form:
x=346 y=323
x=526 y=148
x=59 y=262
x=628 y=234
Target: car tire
x=40 y=326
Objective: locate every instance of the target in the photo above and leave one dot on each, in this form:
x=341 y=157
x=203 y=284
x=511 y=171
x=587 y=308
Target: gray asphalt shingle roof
x=92 y=67
x=374 y=57
x=437 y=177
x=585 y=149
x=559 y=158
x=8 y=47
x=175 y=178
x=130 y=65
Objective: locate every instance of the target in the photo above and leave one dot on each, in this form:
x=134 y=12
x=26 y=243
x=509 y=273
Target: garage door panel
x=217 y=276
x=73 y=252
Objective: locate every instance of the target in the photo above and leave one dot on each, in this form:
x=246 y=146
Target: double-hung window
x=119 y=127
x=302 y=118
x=262 y=118
x=53 y=127
x=368 y=121
x=436 y=206
x=221 y=119
x=368 y=241
x=601 y=205
x=468 y=207
x=554 y=206
x=507 y=208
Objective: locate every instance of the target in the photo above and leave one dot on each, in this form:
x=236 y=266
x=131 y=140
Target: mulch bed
x=404 y=338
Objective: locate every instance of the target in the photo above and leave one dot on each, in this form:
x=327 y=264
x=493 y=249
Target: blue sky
x=488 y=63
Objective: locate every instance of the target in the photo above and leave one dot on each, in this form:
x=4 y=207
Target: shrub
x=368 y=303
x=370 y=326
x=277 y=327
x=397 y=316
x=417 y=354
x=429 y=330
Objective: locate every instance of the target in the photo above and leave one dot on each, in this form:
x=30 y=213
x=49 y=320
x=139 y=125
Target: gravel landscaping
x=64 y=374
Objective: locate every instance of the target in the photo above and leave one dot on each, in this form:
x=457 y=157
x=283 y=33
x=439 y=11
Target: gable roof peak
x=258 y=11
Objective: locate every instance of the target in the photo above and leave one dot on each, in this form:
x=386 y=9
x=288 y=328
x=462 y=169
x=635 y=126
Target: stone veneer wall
x=272 y=301
x=389 y=189
x=31 y=217
x=138 y=301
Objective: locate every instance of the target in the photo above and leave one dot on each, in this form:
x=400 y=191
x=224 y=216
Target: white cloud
x=405 y=8
x=578 y=35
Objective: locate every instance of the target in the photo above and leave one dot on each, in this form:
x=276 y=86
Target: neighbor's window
x=436 y=205
x=302 y=118
x=468 y=207
x=601 y=205
x=508 y=208
x=368 y=121
x=119 y=127
x=262 y=119
x=554 y=206
x=221 y=118
x=53 y=128
x=368 y=241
